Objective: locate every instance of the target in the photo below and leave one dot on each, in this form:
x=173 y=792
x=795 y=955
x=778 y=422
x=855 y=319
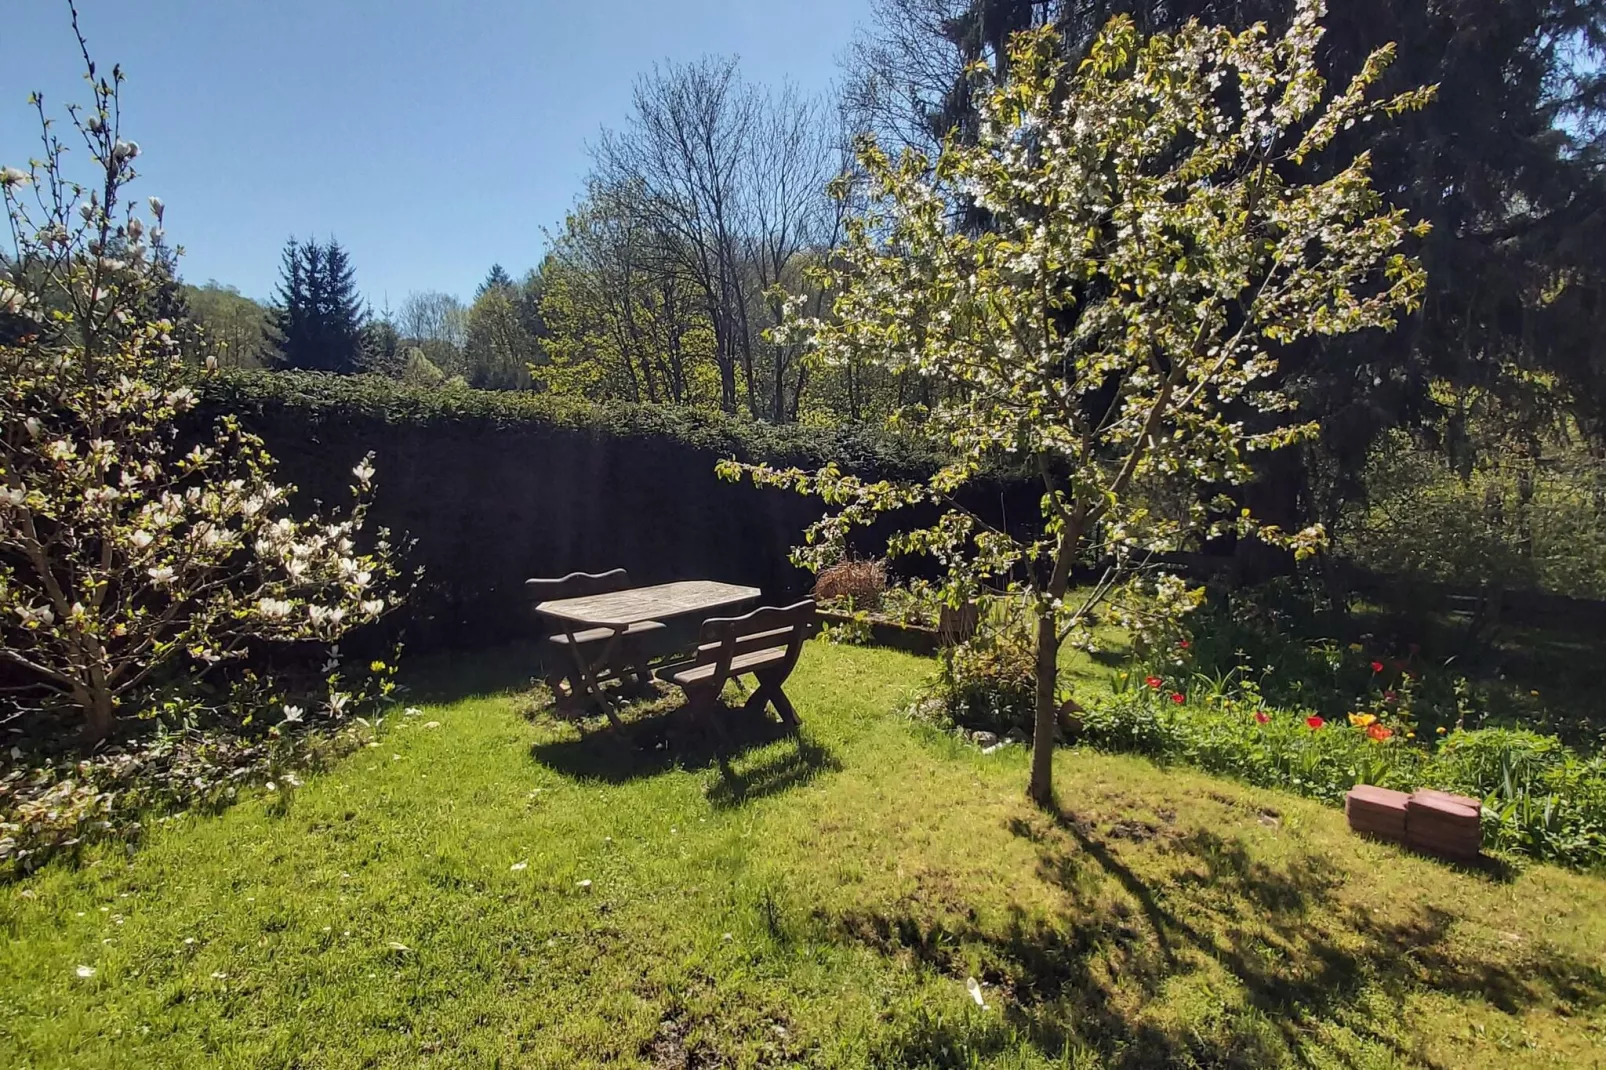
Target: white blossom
x=292 y=714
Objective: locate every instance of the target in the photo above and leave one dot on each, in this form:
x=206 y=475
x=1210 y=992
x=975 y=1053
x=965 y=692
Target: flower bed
x=1540 y=799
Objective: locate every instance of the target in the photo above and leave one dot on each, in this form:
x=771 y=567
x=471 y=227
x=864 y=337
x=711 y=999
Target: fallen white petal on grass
x=974 y=988
x=86 y=972
x=432 y=724
x=584 y=886
x=520 y=867
x=397 y=945
x=219 y=975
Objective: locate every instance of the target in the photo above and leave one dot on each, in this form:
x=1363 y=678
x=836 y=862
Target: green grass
x=818 y=901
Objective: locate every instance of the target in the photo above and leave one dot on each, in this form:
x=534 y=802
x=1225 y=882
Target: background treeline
x=1466 y=445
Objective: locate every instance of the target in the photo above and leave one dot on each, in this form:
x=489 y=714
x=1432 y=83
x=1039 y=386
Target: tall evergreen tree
x=498 y=279
x=319 y=317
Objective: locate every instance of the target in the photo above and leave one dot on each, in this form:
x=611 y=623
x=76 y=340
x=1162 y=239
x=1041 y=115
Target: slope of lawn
x=818 y=901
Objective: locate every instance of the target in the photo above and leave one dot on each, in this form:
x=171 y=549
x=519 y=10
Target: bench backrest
x=576 y=585
x=725 y=638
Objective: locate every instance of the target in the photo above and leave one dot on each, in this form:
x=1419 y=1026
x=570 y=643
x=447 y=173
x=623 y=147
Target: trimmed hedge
x=497 y=487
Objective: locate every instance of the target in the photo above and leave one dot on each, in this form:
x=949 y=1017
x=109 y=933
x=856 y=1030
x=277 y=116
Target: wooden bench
x=572 y=650
x=765 y=644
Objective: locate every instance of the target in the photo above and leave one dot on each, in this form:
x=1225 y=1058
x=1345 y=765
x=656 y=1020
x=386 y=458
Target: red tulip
x=1314 y=722
x=1377 y=666
x=1184 y=644
x=1261 y=717
x=1154 y=682
x=1178 y=697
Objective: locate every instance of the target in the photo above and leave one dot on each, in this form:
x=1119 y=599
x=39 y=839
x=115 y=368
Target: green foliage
x=325 y=399
x=990 y=684
x=318 y=318
x=234 y=330
x=1541 y=800
x=499 y=350
x=1520 y=515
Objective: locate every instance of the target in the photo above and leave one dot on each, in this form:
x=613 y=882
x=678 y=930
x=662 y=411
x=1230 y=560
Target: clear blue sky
x=432 y=137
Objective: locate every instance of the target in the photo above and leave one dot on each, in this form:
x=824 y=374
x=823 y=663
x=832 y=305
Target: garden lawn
x=821 y=901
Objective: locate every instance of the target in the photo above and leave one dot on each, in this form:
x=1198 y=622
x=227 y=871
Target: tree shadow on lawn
x=661 y=736
x=1080 y=980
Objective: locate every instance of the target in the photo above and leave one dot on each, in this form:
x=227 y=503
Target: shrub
x=134 y=559
x=990 y=684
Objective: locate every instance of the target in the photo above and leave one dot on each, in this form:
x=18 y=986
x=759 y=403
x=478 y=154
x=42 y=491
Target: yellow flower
x=1362 y=720
x=377 y=666
x=1356 y=647
x=1441 y=730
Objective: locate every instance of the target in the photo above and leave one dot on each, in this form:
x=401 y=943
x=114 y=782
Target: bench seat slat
x=742 y=663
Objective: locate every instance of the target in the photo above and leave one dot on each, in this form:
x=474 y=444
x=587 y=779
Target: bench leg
x=769 y=693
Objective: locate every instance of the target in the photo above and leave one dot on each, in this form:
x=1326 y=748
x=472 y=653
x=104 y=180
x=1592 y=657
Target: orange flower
x=1379 y=732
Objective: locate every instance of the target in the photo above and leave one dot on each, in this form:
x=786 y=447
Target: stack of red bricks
x=1432 y=822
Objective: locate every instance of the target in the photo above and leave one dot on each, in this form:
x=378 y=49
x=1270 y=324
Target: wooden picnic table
x=618 y=610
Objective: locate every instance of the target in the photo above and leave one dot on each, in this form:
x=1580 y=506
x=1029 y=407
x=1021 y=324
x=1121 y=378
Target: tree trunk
x=1045 y=725
x=97 y=715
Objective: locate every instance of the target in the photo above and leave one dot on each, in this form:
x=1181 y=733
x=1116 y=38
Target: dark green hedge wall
x=497 y=487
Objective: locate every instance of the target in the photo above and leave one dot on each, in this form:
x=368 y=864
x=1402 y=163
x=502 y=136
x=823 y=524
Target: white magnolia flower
x=141 y=539
x=156 y=206
x=33 y=426
x=162 y=576
x=34 y=617
x=13 y=176
x=12 y=496
x=292 y=714
x=364 y=472
x=275 y=608
x=374 y=608
x=337 y=702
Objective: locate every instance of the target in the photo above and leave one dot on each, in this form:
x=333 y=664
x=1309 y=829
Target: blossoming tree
x=1159 y=222
x=130 y=553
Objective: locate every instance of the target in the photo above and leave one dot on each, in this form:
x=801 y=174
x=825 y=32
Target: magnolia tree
x=132 y=556
x=1159 y=222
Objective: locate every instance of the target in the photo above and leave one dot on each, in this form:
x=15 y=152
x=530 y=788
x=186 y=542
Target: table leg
x=588 y=671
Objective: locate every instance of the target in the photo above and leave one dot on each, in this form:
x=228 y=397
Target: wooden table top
x=619 y=609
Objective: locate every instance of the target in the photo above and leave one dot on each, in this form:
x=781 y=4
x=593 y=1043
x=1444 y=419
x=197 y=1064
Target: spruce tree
x=498 y=279
x=319 y=317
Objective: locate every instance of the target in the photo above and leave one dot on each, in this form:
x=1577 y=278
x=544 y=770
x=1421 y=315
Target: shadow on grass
x=664 y=735
x=457 y=675
x=1307 y=961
